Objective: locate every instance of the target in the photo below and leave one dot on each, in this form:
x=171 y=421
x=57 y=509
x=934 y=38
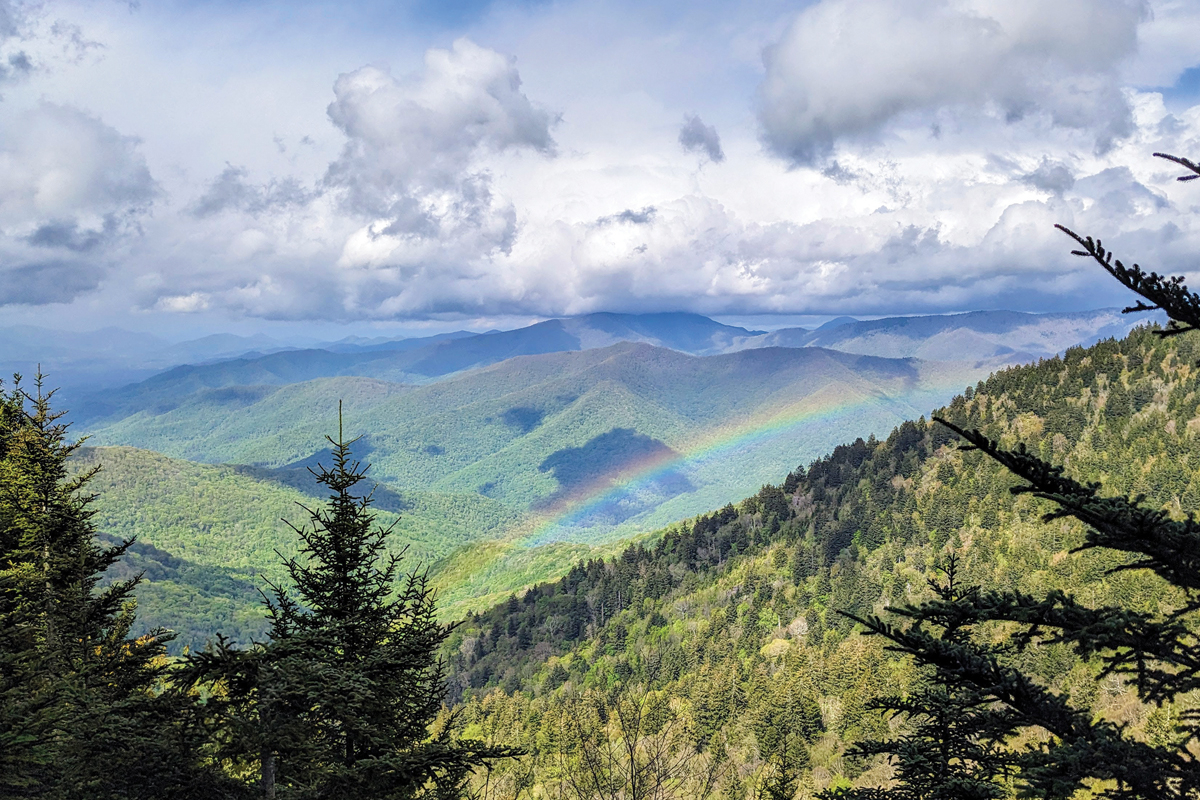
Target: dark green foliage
x=28 y=715
x=1158 y=651
x=954 y=748
x=86 y=712
x=346 y=700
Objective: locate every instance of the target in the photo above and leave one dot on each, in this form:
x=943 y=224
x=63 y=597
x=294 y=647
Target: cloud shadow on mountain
x=602 y=462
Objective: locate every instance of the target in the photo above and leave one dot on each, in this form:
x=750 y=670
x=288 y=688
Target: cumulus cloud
x=848 y=68
x=60 y=162
x=411 y=166
x=406 y=220
x=71 y=188
x=917 y=232
x=421 y=133
x=949 y=137
x=696 y=137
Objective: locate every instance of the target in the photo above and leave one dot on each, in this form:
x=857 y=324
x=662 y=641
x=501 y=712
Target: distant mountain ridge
x=418 y=360
x=1002 y=336
x=113 y=356
x=994 y=338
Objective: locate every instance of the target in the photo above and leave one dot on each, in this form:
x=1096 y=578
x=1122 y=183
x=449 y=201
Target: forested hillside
x=724 y=633
x=538 y=431
x=206 y=533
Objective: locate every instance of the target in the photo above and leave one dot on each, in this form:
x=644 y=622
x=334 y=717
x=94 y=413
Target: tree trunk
x=268 y=775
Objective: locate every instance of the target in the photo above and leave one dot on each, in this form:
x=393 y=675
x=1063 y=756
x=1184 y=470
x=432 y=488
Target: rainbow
x=824 y=406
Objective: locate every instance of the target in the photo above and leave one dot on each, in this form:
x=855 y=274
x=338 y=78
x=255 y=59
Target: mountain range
x=739 y=627
x=1009 y=337
x=568 y=436
x=994 y=338
x=539 y=432
x=84 y=362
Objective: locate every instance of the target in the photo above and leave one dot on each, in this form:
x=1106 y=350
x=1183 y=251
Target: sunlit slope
x=248 y=424
x=231 y=516
x=196 y=601
x=538 y=431
x=599 y=525
x=206 y=532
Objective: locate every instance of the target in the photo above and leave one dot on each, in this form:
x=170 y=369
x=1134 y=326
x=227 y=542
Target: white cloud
x=957 y=134
x=72 y=190
x=846 y=68
x=60 y=162
x=422 y=134
x=184 y=303
x=404 y=221
x=1166 y=44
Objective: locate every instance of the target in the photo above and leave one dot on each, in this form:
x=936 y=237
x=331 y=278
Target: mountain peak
x=837 y=322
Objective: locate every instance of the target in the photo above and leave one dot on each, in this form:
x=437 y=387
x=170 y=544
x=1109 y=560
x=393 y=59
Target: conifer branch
x=1169 y=548
x=1183 y=162
x=1164 y=293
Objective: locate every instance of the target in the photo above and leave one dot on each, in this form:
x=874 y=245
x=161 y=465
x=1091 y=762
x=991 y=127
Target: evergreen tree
x=27 y=718
x=781 y=781
x=346 y=700
x=1158 y=652
x=86 y=710
x=954 y=749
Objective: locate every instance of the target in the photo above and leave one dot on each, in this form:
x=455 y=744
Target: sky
x=308 y=167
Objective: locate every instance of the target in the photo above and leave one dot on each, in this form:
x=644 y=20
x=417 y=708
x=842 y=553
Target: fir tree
x=86 y=710
x=954 y=749
x=346 y=700
x=1159 y=653
x=27 y=716
x=782 y=779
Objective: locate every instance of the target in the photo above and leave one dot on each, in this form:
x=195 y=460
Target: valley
x=505 y=474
